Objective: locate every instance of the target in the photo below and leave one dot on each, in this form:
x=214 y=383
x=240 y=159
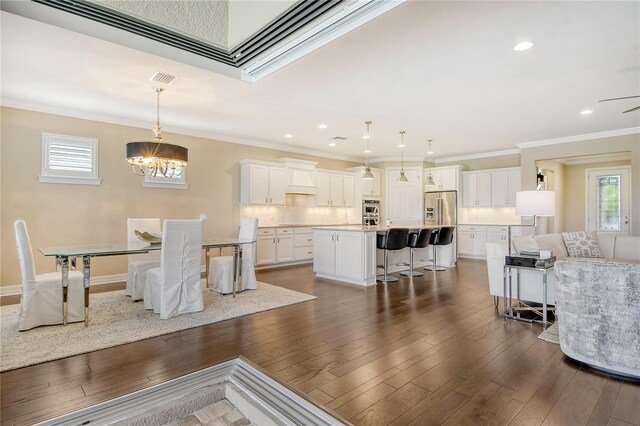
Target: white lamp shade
x=536 y=203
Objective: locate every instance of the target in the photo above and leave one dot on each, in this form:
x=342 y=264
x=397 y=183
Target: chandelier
x=157 y=158
x=367 y=174
x=429 y=181
x=403 y=177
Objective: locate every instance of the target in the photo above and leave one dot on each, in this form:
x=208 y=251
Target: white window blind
x=174 y=182
x=69 y=159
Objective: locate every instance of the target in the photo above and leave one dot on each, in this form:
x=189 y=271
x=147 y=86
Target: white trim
x=594 y=159
x=68 y=180
x=265 y=395
x=105 y=118
x=165 y=185
x=10 y=290
x=578 y=138
x=488 y=154
x=350 y=17
x=381 y=159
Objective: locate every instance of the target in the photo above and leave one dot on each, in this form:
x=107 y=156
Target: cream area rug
x=116 y=320
x=551 y=334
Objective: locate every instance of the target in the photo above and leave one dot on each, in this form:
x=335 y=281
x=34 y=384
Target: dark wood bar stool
x=416 y=240
x=440 y=237
x=393 y=239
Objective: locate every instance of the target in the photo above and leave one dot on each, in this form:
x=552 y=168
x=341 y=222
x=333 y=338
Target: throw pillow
x=581 y=244
x=525 y=243
x=553 y=242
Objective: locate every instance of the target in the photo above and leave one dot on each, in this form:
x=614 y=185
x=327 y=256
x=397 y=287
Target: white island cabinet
x=345 y=253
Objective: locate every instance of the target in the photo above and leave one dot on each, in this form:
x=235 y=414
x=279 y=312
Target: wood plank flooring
x=424 y=351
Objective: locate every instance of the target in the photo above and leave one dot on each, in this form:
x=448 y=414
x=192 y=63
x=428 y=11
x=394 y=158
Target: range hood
x=300 y=175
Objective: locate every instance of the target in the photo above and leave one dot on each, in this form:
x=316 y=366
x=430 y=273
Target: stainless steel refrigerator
x=440 y=208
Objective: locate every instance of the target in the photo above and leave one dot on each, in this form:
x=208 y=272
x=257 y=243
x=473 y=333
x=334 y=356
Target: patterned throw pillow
x=581 y=244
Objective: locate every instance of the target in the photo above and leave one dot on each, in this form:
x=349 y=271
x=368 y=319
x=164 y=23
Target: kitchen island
x=348 y=253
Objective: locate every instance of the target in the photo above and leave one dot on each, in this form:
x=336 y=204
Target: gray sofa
x=598 y=309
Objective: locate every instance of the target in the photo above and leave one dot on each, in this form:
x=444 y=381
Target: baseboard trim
x=11 y=290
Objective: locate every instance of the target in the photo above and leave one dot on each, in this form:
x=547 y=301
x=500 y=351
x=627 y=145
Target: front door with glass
x=608 y=200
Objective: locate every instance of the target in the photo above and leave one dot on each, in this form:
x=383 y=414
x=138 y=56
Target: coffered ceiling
x=440 y=70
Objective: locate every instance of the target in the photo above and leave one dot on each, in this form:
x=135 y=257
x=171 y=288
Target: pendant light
x=429 y=181
x=403 y=177
x=157 y=158
x=367 y=174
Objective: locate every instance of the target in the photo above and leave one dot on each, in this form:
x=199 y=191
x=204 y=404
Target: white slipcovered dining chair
x=175 y=287
x=221 y=272
x=139 y=264
x=41 y=301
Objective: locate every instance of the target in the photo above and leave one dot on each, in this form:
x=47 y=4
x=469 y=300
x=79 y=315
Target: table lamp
x=534 y=203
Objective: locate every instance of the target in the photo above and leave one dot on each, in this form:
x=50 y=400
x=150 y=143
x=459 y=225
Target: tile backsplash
x=301 y=209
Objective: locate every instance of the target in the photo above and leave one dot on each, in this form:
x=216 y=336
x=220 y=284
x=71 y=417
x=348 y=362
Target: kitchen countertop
x=306 y=225
x=360 y=228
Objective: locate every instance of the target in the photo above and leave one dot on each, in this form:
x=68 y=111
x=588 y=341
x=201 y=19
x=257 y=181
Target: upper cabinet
x=262 y=183
x=334 y=189
x=490 y=188
x=504 y=185
x=444 y=178
x=367 y=189
x=476 y=189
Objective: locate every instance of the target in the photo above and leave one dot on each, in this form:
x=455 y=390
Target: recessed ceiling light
x=288 y=135
x=401 y=145
x=332 y=144
x=322 y=126
x=366 y=137
x=367 y=151
x=586 y=112
x=525 y=45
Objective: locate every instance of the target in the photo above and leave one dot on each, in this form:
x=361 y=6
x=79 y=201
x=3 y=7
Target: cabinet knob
x=266 y=200
x=270 y=201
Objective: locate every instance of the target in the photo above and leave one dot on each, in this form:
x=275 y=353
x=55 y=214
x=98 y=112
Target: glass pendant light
x=429 y=181
x=403 y=176
x=367 y=174
x=157 y=158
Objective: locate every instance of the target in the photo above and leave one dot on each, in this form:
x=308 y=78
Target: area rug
x=551 y=334
x=115 y=320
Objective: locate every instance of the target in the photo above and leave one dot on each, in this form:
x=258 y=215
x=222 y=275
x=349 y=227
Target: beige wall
x=79 y=214
x=555 y=223
x=574 y=190
x=616 y=144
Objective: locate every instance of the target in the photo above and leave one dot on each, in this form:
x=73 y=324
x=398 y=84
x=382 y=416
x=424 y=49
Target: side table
x=514 y=313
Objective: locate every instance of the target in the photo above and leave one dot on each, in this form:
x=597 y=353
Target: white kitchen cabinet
x=504 y=185
x=444 y=178
x=262 y=183
x=476 y=189
x=471 y=241
x=347 y=256
x=404 y=200
x=302 y=244
x=275 y=245
x=334 y=189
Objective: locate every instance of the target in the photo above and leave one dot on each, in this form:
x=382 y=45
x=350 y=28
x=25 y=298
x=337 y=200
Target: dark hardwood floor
x=426 y=351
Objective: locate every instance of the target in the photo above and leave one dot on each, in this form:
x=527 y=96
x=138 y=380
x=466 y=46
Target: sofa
x=598 y=311
x=621 y=248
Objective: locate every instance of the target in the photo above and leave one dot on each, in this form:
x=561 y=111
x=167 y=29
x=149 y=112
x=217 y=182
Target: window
x=179 y=182
x=608 y=203
x=69 y=159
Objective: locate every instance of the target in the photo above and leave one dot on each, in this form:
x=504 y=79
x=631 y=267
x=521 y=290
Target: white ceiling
x=440 y=70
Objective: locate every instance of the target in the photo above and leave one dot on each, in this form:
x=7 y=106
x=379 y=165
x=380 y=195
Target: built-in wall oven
x=370 y=212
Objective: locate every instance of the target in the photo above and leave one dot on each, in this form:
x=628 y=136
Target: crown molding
x=578 y=138
x=104 y=118
x=381 y=159
x=621 y=156
x=489 y=154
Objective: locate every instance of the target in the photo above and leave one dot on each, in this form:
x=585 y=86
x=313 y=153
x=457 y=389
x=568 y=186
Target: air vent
x=339 y=138
x=163 y=79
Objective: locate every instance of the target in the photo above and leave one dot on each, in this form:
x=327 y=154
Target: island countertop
x=360 y=228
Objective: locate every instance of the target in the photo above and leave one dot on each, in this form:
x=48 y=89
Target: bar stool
x=393 y=239
x=440 y=237
x=418 y=239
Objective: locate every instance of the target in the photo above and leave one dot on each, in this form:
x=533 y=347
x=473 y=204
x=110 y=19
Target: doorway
x=608 y=191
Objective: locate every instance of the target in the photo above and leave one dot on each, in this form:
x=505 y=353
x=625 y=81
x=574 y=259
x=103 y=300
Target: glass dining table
x=66 y=256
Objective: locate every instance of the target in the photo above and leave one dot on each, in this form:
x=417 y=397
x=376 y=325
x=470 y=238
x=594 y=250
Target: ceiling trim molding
x=488 y=154
x=84 y=115
x=578 y=138
x=382 y=159
x=589 y=159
